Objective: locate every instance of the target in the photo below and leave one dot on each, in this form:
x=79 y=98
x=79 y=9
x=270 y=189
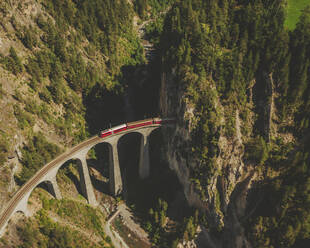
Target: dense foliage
x=12 y=62
x=80 y=48
x=3 y=148
x=105 y=23
x=235 y=55
x=151 y=8
x=44 y=232
x=35 y=154
x=294 y=8
x=229 y=59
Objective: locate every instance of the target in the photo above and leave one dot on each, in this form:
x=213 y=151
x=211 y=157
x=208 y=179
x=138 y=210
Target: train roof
x=119 y=126
x=138 y=122
x=106 y=130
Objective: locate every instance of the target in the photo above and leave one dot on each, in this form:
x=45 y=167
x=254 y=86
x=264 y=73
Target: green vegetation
x=4 y=146
x=2 y=92
x=76 y=58
x=158 y=6
x=220 y=58
x=36 y=153
x=141 y=7
x=256 y=150
x=25 y=120
x=158 y=218
x=154 y=29
x=64 y=223
x=44 y=232
x=216 y=50
x=151 y=8
x=294 y=9
x=156 y=223
x=28 y=36
x=66 y=68
x=157 y=226
x=103 y=22
x=282 y=218
x=12 y=62
x=75 y=212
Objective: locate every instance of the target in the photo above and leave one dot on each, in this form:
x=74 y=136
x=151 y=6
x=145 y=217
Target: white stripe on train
x=130 y=125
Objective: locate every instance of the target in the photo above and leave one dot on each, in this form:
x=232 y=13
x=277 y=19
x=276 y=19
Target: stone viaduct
x=47 y=173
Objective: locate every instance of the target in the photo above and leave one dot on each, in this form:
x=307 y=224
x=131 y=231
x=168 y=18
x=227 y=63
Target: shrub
x=12 y=62
x=35 y=154
x=2 y=92
x=29 y=39
x=45 y=95
x=257 y=150
x=3 y=148
x=24 y=119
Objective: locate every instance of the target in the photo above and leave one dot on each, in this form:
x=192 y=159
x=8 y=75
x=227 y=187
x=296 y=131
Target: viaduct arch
x=48 y=172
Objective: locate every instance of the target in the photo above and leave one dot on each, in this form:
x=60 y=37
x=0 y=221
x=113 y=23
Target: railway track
x=37 y=177
x=12 y=204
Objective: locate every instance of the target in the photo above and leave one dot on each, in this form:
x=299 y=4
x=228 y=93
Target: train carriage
x=157 y=120
x=142 y=123
x=119 y=128
x=105 y=133
x=135 y=124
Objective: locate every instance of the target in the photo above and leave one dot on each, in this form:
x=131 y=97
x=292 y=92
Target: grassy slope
x=66 y=223
x=294 y=9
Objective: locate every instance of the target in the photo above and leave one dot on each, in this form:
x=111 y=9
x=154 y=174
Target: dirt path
x=127 y=216
x=117 y=241
x=131 y=224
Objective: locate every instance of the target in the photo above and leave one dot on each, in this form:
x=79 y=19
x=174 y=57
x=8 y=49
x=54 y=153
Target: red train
x=131 y=125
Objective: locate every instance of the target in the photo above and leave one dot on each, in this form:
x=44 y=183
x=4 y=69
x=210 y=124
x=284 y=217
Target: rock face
x=226 y=197
x=264 y=93
x=171 y=102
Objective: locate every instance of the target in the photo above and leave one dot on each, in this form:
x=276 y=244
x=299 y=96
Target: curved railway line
x=34 y=180
x=67 y=155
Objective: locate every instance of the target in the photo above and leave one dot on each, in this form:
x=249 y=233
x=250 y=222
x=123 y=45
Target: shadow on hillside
x=99 y=176
x=103 y=108
x=139 y=84
x=161 y=184
x=66 y=169
x=143 y=84
x=100 y=186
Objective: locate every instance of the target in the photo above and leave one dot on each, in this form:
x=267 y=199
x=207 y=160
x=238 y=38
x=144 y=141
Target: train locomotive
x=135 y=124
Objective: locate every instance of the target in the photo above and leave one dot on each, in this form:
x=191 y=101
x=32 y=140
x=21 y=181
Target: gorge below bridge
x=47 y=174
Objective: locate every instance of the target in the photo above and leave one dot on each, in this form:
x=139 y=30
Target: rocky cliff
x=226 y=198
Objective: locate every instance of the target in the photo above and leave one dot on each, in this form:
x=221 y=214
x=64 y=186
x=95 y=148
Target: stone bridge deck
x=49 y=171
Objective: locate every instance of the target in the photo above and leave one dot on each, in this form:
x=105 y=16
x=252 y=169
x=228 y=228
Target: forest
x=238 y=70
x=232 y=43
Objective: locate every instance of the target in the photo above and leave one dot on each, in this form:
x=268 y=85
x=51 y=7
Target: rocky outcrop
x=263 y=97
x=172 y=102
x=226 y=198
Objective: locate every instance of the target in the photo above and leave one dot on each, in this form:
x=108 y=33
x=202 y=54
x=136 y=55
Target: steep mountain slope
x=60 y=67
x=238 y=82
x=57 y=60
x=230 y=72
